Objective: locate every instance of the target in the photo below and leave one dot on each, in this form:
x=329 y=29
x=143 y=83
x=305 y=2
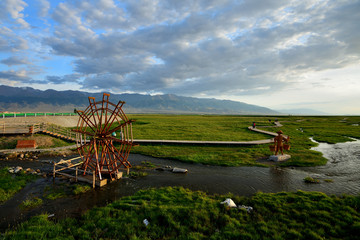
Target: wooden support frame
x=95 y=131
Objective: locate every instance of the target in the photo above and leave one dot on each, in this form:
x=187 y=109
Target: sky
x=272 y=53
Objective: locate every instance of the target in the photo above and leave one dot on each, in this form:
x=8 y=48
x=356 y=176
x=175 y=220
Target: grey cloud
x=105 y=82
x=116 y=65
x=19 y=76
x=10 y=42
x=63 y=79
x=271 y=43
x=15 y=60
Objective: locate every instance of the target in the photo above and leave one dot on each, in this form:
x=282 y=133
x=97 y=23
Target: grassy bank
x=43 y=141
x=234 y=128
x=183 y=214
x=12 y=183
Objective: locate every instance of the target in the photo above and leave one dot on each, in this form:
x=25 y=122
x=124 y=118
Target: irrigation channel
x=342 y=168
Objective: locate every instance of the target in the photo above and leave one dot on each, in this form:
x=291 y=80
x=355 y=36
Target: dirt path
x=65 y=121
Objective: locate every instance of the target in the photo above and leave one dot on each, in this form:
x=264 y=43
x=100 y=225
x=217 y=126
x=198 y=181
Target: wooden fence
x=63 y=165
x=58 y=131
x=20 y=128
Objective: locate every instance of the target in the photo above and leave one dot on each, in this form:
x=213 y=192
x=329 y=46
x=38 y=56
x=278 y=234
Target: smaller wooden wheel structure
x=104 y=137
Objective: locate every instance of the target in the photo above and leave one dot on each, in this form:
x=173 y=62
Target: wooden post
x=54 y=171
x=128 y=171
x=93 y=179
x=76 y=174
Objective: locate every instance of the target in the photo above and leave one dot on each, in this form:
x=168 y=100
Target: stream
x=342 y=169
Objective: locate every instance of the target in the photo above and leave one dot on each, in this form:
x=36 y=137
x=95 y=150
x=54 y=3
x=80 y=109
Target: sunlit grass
x=178 y=213
x=31 y=203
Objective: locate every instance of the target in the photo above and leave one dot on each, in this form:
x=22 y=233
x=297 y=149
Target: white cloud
x=212 y=48
x=14 y=9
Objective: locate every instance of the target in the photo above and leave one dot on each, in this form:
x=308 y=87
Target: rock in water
x=279 y=158
x=18 y=169
x=179 y=170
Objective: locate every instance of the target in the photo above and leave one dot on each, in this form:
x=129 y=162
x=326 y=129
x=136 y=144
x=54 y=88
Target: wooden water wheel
x=104 y=137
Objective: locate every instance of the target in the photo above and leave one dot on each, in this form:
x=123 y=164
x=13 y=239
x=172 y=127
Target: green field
x=234 y=128
x=177 y=213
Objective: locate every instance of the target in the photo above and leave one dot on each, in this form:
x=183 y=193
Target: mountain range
x=26 y=99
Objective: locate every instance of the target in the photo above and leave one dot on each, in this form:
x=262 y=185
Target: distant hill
x=26 y=99
x=302 y=111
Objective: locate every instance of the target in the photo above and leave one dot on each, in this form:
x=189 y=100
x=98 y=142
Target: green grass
x=177 y=213
x=234 y=128
x=137 y=174
x=64 y=190
x=80 y=188
x=42 y=140
x=194 y=127
x=12 y=183
x=311 y=180
x=31 y=203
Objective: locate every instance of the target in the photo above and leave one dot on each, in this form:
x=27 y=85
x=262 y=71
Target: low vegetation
x=31 y=203
x=64 y=190
x=12 y=183
x=170 y=213
x=42 y=141
x=311 y=180
x=234 y=128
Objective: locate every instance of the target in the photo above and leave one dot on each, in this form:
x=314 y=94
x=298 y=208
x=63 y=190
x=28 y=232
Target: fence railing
x=30 y=128
x=14 y=115
x=59 y=130
x=19 y=128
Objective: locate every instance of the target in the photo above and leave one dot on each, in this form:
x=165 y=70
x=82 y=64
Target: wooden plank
x=87 y=179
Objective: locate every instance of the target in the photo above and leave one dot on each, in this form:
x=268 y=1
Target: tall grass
x=177 y=213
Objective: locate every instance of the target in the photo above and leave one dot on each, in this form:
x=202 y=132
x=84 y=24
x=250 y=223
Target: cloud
x=44 y=7
x=70 y=78
x=10 y=41
x=14 y=9
x=206 y=47
x=18 y=76
x=15 y=60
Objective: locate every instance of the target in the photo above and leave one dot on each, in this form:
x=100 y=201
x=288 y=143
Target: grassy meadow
x=178 y=213
x=234 y=128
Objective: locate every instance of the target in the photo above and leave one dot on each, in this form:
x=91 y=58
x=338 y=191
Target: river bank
x=343 y=158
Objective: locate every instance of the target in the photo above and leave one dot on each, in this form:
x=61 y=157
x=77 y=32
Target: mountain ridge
x=30 y=99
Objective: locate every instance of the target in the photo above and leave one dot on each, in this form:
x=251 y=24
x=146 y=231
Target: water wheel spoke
x=95 y=145
x=120 y=126
x=112 y=117
x=87 y=120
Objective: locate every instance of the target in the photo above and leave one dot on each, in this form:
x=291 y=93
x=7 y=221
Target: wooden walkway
x=191 y=142
x=59 y=132
x=234 y=143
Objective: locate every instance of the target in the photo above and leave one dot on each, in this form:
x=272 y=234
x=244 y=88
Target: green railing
x=7 y=115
